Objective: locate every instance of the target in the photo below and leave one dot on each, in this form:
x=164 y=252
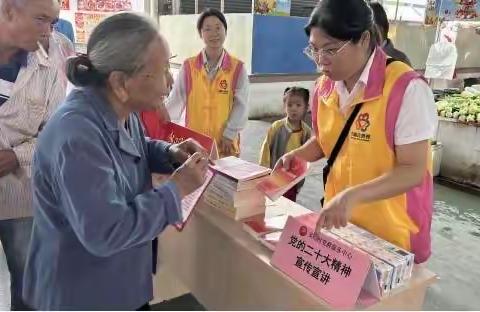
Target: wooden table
x=227 y=269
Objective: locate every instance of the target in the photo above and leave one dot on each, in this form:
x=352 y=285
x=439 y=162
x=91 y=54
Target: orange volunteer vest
x=369 y=152
x=210 y=102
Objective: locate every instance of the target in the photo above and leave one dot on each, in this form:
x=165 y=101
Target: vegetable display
x=464 y=107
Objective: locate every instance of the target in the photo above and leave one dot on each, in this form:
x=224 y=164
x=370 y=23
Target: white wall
x=461 y=158
x=415 y=40
x=181 y=33
x=266 y=99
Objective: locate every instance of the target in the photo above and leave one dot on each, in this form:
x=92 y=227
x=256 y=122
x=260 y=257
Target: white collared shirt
x=417 y=120
x=36 y=93
x=212 y=71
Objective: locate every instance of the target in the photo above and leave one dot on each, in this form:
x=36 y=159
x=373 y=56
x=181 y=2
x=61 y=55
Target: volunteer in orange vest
x=381 y=178
x=211 y=91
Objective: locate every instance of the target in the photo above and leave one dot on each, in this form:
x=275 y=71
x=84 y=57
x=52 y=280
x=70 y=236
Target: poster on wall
x=273 y=7
x=104 y=5
x=452 y=10
x=84 y=25
x=65 y=5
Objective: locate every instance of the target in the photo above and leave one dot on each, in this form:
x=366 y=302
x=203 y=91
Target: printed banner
x=104 y=5
x=84 y=25
x=273 y=7
x=452 y=10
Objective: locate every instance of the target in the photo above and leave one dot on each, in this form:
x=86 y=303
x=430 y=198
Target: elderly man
x=30 y=89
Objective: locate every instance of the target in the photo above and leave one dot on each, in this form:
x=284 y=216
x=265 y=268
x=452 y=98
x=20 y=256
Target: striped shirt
x=60 y=48
x=35 y=95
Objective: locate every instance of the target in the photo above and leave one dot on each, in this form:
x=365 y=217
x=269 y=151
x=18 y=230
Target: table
x=227 y=269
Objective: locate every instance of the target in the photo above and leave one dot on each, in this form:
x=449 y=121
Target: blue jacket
x=95 y=211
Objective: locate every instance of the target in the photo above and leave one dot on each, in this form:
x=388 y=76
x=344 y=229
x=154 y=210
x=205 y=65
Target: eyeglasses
x=314 y=53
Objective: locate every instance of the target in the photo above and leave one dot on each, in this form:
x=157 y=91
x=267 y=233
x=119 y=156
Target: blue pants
x=15 y=236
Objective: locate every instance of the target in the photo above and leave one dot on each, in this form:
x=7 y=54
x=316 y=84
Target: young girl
x=288 y=133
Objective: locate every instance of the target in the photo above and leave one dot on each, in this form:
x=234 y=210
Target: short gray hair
x=118 y=43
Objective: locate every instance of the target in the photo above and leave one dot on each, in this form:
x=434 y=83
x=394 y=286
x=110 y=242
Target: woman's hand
x=285 y=161
x=226 y=146
x=182 y=151
x=337 y=211
x=191 y=175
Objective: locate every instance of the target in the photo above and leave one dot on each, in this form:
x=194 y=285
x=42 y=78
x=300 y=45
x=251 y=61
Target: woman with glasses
x=211 y=92
x=95 y=210
x=373 y=118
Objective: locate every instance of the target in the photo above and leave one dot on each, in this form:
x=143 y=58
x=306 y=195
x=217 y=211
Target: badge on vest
x=361 y=128
x=223 y=87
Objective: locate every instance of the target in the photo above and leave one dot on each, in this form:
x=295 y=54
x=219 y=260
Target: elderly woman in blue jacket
x=96 y=211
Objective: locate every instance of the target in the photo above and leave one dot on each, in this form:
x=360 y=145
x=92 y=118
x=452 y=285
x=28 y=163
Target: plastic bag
x=441 y=61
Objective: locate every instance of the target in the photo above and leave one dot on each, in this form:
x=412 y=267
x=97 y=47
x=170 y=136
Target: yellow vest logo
x=362 y=124
x=223 y=87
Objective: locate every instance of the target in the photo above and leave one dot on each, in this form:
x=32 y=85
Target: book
x=270 y=240
x=396 y=252
x=233 y=198
x=401 y=260
x=239 y=170
x=175 y=134
x=238 y=186
x=281 y=180
x=236 y=213
x=190 y=202
x=259 y=225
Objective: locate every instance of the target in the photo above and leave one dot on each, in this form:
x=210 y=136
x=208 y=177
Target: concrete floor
x=455 y=234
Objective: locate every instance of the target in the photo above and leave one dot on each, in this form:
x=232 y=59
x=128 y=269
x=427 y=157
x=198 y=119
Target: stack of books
x=233 y=188
x=394 y=265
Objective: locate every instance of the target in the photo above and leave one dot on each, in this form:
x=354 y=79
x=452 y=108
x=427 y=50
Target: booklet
x=281 y=180
x=177 y=134
x=191 y=201
x=239 y=169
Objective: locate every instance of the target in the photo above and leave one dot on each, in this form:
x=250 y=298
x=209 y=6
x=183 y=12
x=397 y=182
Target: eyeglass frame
x=313 y=55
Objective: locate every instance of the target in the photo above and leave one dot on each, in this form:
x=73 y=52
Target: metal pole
x=222 y=6
x=396 y=10
x=196 y=6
